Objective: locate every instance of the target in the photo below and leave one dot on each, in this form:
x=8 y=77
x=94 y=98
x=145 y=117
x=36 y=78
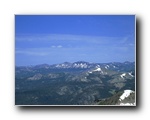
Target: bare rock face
x=35 y=77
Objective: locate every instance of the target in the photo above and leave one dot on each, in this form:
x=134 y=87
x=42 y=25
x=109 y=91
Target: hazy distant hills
x=84 y=65
x=78 y=83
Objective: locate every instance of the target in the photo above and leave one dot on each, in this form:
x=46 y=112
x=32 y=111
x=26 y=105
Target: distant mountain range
x=117 y=66
x=78 y=83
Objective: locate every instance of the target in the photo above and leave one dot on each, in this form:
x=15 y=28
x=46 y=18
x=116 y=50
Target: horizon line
x=73 y=62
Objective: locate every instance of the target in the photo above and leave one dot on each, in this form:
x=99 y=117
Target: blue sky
x=55 y=39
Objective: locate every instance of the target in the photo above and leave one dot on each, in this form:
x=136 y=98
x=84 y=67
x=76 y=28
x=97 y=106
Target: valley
x=78 y=83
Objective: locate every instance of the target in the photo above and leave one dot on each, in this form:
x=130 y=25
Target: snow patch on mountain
x=107 y=66
x=125 y=94
x=127 y=104
x=123 y=75
x=131 y=75
x=63 y=65
x=98 y=69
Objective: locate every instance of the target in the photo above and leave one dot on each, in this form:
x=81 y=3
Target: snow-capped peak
x=80 y=65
